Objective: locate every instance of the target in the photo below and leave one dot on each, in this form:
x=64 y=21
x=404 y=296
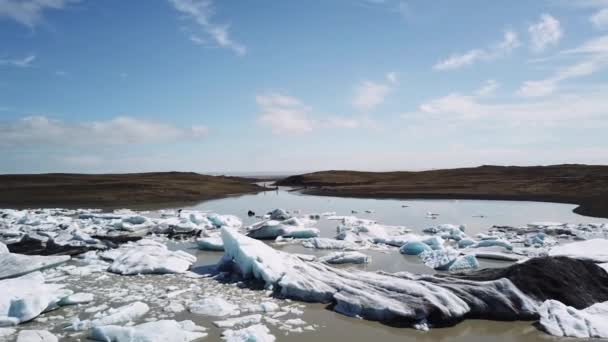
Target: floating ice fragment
x=213 y=306
x=345 y=258
x=159 y=331
x=254 y=333
x=36 y=336
x=558 y=319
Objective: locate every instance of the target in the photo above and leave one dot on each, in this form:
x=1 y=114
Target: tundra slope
x=584 y=185
x=112 y=191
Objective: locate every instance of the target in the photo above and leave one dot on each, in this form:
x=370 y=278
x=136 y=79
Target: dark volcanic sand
x=112 y=191
x=584 y=185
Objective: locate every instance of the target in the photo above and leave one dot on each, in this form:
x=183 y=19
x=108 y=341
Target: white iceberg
x=326 y=243
x=77 y=298
x=595 y=250
x=239 y=321
x=345 y=258
x=36 y=336
x=558 y=319
x=15 y=265
x=210 y=244
x=148 y=256
x=213 y=306
x=112 y=316
x=254 y=333
x=158 y=331
x=23 y=299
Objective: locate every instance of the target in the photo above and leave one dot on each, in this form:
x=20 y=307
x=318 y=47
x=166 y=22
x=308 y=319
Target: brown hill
x=109 y=191
x=585 y=185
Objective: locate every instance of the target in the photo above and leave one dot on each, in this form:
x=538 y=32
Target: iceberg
x=345 y=258
x=292 y=227
x=414 y=248
x=402 y=297
x=148 y=257
x=213 y=306
x=15 y=265
x=326 y=243
x=158 y=331
x=595 y=250
x=440 y=259
x=239 y=321
x=210 y=244
x=220 y=221
x=561 y=320
x=36 y=336
x=77 y=298
x=26 y=297
x=254 y=333
x=122 y=314
x=279 y=215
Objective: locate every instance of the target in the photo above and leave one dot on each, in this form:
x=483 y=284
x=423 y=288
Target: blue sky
x=290 y=86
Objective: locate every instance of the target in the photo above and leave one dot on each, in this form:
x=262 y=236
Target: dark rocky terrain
x=584 y=185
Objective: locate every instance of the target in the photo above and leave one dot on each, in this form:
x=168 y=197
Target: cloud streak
x=201 y=11
x=30 y=12
x=509 y=42
x=43 y=131
x=24 y=62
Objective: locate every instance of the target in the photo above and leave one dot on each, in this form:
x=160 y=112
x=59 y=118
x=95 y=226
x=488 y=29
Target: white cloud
x=24 y=62
x=40 y=131
x=370 y=94
x=284 y=114
x=600 y=19
x=488 y=88
x=546 y=32
x=594 y=57
x=30 y=12
x=565 y=108
x=201 y=12
x=288 y=115
x=509 y=42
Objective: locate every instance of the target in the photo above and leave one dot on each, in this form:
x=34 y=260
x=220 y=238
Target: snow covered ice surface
x=560 y=320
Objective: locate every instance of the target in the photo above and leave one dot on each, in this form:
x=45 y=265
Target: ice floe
x=148 y=256
x=254 y=333
x=561 y=320
x=345 y=258
x=158 y=331
x=28 y=296
x=14 y=265
x=36 y=336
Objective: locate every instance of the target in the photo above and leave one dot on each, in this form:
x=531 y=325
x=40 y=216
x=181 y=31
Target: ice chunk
x=220 y=221
x=77 y=298
x=24 y=298
x=464 y=243
x=148 y=256
x=325 y=243
x=36 y=336
x=6 y=332
x=345 y=258
x=210 y=244
x=558 y=319
x=122 y=314
x=3 y=248
x=414 y=248
x=213 y=306
x=254 y=333
x=462 y=263
x=292 y=227
x=279 y=214
x=494 y=242
x=159 y=331
x=239 y=321
x=595 y=250
x=15 y=265
x=440 y=259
